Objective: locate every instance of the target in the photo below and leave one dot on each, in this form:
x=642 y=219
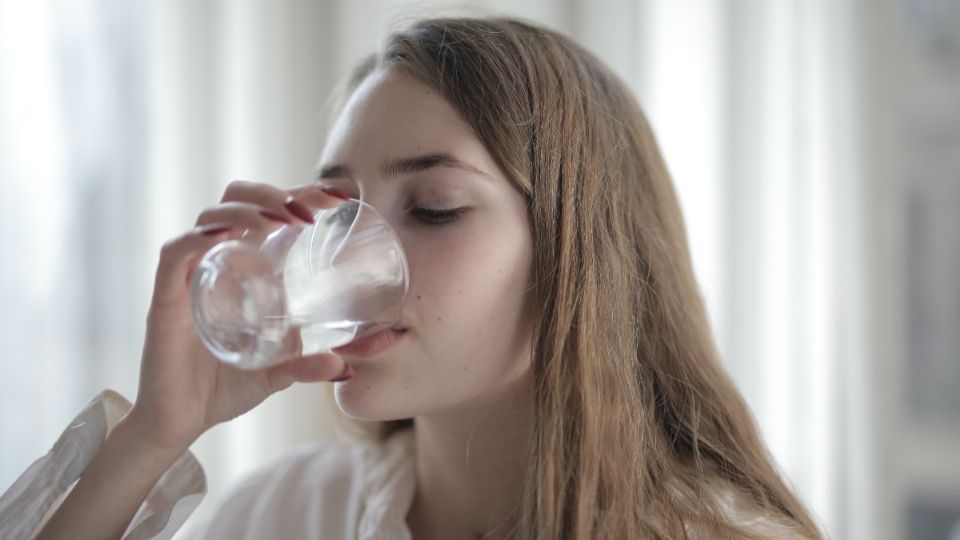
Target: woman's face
x=468 y=333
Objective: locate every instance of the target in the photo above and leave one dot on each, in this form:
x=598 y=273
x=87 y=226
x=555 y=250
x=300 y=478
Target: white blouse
x=331 y=490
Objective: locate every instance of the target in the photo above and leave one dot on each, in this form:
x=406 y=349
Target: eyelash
x=429 y=216
x=437 y=216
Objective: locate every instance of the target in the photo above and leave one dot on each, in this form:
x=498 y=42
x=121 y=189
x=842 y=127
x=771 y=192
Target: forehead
x=391 y=114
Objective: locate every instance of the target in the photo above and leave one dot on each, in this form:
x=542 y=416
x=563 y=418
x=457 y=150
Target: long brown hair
x=639 y=432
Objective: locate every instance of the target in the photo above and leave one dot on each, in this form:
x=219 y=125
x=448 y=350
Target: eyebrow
x=405 y=165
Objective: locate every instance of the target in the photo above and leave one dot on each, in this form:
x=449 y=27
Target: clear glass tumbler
x=301 y=290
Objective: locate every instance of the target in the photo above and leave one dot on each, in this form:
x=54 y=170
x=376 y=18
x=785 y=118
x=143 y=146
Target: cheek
x=467 y=288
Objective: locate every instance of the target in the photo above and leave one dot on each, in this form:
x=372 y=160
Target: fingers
x=179 y=255
x=249 y=206
x=294 y=204
x=317 y=196
x=318 y=367
x=244 y=215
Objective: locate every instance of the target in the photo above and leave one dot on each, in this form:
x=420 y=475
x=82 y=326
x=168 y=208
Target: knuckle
x=169 y=246
x=176 y=244
x=168 y=251
x=206 y=212
x=235 y=188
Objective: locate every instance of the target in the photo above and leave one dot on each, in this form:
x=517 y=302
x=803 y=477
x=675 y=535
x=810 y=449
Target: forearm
x=112 y=488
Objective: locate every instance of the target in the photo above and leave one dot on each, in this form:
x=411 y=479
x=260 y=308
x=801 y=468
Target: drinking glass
x=302 y=289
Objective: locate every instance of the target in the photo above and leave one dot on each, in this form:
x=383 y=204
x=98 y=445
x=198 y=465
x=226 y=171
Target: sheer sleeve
x=27 y=504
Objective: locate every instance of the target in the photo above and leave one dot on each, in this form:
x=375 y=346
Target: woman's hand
x=184 y=390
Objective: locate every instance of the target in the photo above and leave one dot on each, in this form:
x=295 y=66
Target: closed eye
x=437 y=216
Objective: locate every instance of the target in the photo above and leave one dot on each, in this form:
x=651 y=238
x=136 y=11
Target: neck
x=470 y=466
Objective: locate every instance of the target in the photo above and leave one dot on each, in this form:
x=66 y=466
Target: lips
x=372 y=344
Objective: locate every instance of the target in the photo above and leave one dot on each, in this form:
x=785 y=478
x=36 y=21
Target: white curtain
x=122 y=120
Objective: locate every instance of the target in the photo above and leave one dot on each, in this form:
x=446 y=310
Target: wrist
x=130 y=433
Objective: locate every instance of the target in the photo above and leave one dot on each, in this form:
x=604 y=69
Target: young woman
x=553 y=375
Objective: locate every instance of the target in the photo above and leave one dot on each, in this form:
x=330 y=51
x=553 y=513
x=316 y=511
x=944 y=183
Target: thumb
x=313 y=368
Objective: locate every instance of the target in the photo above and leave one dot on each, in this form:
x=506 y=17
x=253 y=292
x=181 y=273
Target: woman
x=553 y=375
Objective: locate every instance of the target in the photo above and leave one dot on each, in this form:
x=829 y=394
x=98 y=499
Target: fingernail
x=298 y=209
x=274 y=216
x=214 y=229
x=338 y=193
x=347 y=374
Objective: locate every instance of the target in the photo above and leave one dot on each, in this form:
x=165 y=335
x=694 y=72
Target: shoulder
x=319 y=484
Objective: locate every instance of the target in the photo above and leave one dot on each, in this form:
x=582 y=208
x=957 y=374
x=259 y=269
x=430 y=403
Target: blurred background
x=815 y=145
